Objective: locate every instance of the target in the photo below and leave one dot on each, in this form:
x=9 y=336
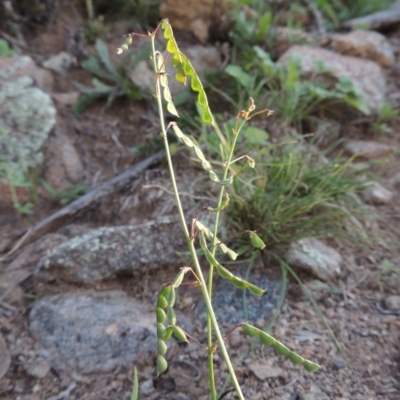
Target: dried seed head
x=252 y=106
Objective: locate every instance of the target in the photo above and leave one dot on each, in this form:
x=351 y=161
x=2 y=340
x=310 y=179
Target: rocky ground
x=77 y=292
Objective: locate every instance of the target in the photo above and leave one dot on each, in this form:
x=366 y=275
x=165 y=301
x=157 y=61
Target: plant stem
x=190 y=242
x=211 y=270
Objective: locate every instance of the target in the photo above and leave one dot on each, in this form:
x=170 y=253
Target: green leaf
x=104 y=56
x=162 y=365
x=93 y=66
x=131 y=90
x=245 y=80
x=82 y=104
x=264 y=23
x=135 y=388
x=179 y=333
x=101 y=87
x=256 y=136
x=85 y=89
x=5 y=49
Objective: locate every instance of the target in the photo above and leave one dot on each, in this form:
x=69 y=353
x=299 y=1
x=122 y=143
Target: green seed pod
x=128 y=40
x=179 y=333
x=281 y=349
x=240 y=283
x=250 y=330
x=162 y=302
x=161 y=316
x=256 y=241
x=251 y=162
x=310 y=366
x=295 y=358
x=179 y=278
x=171 y=297
x=171 y=316
x=224 y=272
x=168 y=333
x=267 y=340
x=160 y=331
x=162 y=365
x=124 y=47
x=161 y=347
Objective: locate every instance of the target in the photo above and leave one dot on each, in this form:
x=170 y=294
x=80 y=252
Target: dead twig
x=107 y=188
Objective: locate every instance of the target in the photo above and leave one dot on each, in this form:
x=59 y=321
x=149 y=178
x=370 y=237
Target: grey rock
x=393 y=303
x=326 y=131
x=365 y=44
x=315 y=393
x=367 y=76
x=315 y=257
x=377 y=20
x=27 y=115
x=63 y=166
x=367 y=149
x=32 y=253
x=147 y=387
x=38 y=369
x=377 y=194
x=14 y=67
x=60 y=63
x=105 y=252
x=92 y=332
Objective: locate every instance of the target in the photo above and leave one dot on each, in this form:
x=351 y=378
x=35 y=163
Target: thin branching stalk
x=190 y=242
x=211 y=270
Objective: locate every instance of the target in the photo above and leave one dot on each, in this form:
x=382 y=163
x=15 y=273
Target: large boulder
x=27 y=115
x=367 y=76
x=365 y=44
x=105 y=252
x=195 y=16
x=92 y=332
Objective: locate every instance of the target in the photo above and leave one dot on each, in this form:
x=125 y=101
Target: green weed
x=292 y=193
x=118 y=82
x=65 y=196
x=285 y=89
x=5 y=49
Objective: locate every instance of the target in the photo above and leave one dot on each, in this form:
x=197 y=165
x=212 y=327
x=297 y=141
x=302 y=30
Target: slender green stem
x=211 y=270
x=190 y=242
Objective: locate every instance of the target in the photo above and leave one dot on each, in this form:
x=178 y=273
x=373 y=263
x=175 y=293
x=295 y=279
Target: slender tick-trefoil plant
x=199 y=233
